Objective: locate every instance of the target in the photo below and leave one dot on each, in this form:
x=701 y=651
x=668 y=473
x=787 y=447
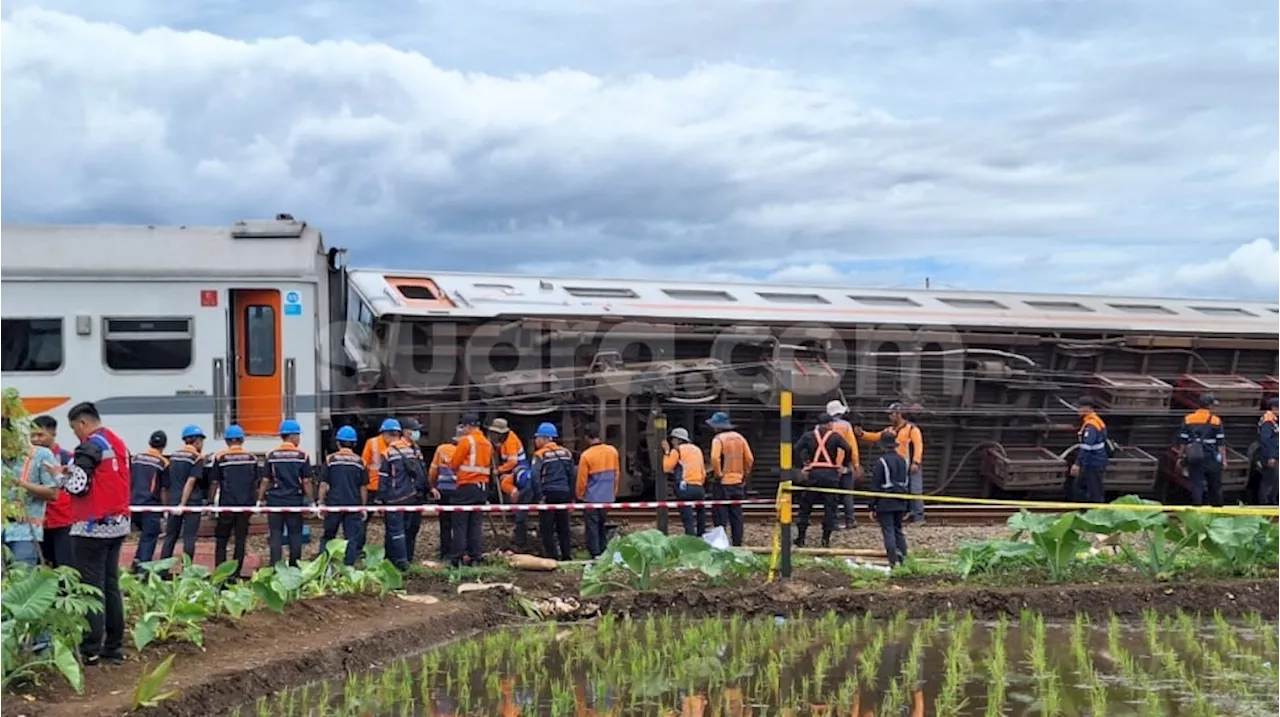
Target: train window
x=698 y=295
x=1222 y=311
x=963 y=303
x=885 y=301
x=32 y=345
x=419 y=293
x=1058 y=306
x=260 y=340
x=1142 y=309
x=784 y=298
x=147 y=344
x=601 y=292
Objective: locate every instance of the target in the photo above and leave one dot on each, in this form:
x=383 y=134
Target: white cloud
x=1044 y=147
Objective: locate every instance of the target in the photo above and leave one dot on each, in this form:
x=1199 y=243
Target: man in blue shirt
x=36 y=486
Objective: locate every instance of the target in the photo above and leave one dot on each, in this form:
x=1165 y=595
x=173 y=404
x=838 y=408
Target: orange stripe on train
x=36 y=405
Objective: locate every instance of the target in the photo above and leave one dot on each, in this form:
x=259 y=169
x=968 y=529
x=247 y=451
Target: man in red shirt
x=56 y=546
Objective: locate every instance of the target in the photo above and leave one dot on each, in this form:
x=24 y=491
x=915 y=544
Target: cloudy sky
x=1125 y=146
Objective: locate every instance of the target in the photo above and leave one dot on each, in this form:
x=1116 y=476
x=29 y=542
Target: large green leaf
x=223 y=572
x=64 y=658
x=270 y=595
x=144 y=631
x=1025 y=521
x=30 y=596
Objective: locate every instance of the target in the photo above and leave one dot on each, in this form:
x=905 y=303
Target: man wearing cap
x=684 y=462
x=848 y=474
x=186 y=489
x=472 y=463
x=149 y=485
x=343 y=484
x=1203 y=452
x=822 y=453
x=443 y=482
x=513 y=474
x=910 y=443
x=731 y=463
x=1090 y=467
x=1268 y=452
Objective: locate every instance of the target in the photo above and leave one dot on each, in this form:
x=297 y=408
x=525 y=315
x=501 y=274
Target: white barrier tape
x=434 y=509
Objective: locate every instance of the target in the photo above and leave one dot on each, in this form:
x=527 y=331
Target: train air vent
x=886 y=301
x=1059 y=306
x=698 y=295
x=963 y=303
x=1146 y=309
x=1130 y=391
x=785 y=298
x=420 y=293
x=601 y=292
x=1223 y=311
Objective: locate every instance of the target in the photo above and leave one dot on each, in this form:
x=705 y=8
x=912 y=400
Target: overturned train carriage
x=992 y=378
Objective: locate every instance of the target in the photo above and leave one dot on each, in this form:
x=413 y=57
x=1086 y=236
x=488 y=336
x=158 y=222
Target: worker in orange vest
x=852 y=472
x=472 y=463
x=683 y=460
x=731 y=463
x=910 y=446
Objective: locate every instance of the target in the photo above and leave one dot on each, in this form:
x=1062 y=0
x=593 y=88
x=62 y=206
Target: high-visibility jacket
x=686 y=464
x=513 y=472
x=599 y=474
x=1092 y=438
x=440 y=474
x=910 y=441
x=374 y=449
x=731 y=457
x=1268 y=441
x=472 y=459
x=845 y=429
x=826 y=450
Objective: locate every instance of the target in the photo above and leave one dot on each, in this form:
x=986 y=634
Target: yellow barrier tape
x=775 y=555
x=1259 y=510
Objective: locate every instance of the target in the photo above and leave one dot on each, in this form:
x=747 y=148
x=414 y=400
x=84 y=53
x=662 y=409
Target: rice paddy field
x=949 y=664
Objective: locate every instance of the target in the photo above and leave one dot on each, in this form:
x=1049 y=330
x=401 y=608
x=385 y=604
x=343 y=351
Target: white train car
x=162 y=327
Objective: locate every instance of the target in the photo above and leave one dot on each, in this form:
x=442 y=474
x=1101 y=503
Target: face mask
x=415 y=435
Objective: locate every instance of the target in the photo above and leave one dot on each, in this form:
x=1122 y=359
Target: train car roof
x=282 y=248
x=478 y=296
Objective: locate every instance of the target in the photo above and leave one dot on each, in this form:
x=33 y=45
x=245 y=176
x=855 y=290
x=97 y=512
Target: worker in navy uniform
x=286 y=483
x=891 y=475
x=822 y=452
x=187 y=486
x=1203 y=452
x=149 y=481
x=554 y=474
x=411 y=431
x=1088 y=472
x=1268 y=453
x=343 y=481
x=234 y=475
x=398 y=484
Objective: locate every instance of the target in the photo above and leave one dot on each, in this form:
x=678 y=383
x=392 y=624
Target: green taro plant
x=1057 y=540
x=1161 y=538
x=44 y=603
x=177 y=607
x=638 y=561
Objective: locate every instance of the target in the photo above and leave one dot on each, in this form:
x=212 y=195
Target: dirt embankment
x=266 y=652
x=328 y=637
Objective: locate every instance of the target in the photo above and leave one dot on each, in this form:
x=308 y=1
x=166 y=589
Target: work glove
x=257 y=508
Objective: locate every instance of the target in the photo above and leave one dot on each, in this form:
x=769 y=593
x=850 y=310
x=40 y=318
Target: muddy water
x=946 y=666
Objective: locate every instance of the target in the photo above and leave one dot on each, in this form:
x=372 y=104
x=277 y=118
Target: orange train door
x=259 y=381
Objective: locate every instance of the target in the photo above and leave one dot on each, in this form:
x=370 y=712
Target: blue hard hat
x=289 y=427
x=390 y=425
x=234 y=432
x=719 y=419
x=347 y=433
x=546 y=430
x=192 y=431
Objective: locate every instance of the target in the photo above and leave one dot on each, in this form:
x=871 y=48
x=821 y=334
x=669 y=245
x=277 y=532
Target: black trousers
x=1267 y=488
x=830 y=504
x=1089 y=485
x=553 y=526
x=693 y=518
x=276 y=523
x=467 y=525
x=895 y=541
x=229 y=525
x=57 y=547
x=730 y=515
x=846 y=501
x=98 y=560
x=352 y=525
x=1206 y=483
x=717 y=493
x=412 y=524
x=446 y=525
x=185 y=524
x=593 y=520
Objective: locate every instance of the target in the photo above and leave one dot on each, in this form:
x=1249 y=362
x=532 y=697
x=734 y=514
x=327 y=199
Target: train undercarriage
x=996 y=406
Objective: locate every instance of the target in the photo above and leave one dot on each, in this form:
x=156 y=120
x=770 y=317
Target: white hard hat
x=680 y=434
x=835 y=408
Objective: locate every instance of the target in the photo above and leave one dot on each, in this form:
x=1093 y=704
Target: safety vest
x=472 y=459
x=822 y=455
x=731 y=457
x=108 y=491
